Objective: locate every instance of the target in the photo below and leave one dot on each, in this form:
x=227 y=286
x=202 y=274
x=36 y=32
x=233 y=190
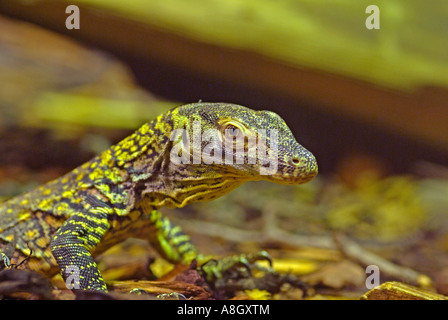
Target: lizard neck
x=177 y=185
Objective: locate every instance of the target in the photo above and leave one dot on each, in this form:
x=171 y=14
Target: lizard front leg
x=175 y=246
x=73 y=244
x=170 y=241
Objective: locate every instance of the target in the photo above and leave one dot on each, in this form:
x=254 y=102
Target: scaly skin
x=70 y=220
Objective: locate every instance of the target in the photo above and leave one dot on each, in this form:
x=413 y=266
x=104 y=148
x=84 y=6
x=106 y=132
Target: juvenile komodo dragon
x=67 y=222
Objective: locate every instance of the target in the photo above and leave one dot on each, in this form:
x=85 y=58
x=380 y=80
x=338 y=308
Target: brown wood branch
x=160 y=287
x=355 y=252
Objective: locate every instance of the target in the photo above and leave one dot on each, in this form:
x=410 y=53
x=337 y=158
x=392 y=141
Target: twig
x=355 y=252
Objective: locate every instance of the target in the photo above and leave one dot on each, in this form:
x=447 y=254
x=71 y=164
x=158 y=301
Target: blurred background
x=372 y=105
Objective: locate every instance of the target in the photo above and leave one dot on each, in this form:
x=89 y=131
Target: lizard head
x=241 y=143
x=208 y=149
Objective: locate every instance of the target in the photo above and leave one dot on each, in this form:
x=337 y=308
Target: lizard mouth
x=296 y=177
x=294 y=172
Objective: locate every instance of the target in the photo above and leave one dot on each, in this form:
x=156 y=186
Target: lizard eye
x=231 y=132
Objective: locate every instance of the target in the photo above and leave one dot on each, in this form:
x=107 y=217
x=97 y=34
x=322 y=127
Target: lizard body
x=70 y=220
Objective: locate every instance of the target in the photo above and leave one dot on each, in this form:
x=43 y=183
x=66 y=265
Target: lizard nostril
x=296 y=161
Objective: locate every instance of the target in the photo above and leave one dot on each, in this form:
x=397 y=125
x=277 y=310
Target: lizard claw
x=259 y=256
x=5 y=262
x=210 y=270
x=172 y=296
x=213 y=269
x=138 y=291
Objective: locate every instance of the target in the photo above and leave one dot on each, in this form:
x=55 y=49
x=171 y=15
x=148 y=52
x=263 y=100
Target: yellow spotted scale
x=65 y=223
